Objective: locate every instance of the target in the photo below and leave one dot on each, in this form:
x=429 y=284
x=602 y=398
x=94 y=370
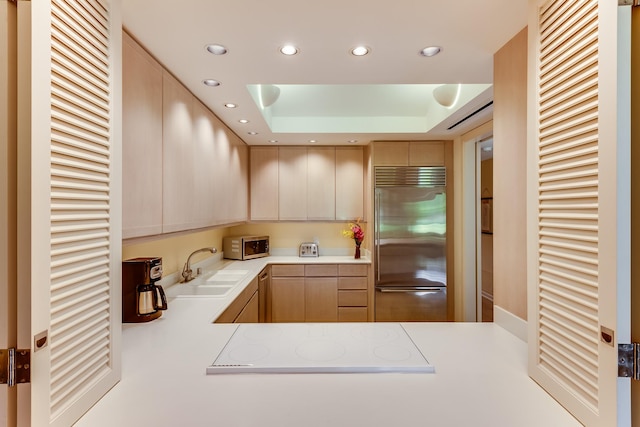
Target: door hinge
x=629 y=361
x=15 y=366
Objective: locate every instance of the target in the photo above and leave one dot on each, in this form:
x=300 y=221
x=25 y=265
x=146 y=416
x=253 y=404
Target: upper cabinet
x=321 y=183
x=141 y=142
x=179 y=149
x=350 y=183
x=179 y=158
x=264 y=183
x=292 y=183
x=409 y=153
x=300 y=183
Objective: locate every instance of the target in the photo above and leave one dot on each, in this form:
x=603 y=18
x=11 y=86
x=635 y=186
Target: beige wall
x=509 y=185
x=174 y=249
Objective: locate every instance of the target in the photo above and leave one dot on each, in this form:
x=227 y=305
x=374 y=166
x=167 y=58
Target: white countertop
x=480 y=379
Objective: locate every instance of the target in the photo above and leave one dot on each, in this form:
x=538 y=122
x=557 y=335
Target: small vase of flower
x=356 y=233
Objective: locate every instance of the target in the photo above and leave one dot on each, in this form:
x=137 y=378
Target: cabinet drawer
x=287 y=270
x=352 y=298
x=352 y=283
x=321 y=270
x=352 y=314
x=352 y=270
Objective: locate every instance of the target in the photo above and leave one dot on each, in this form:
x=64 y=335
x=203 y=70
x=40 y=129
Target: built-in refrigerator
x=410 y=244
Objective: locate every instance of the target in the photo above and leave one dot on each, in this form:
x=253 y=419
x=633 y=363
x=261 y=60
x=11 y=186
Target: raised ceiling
x=324 y=93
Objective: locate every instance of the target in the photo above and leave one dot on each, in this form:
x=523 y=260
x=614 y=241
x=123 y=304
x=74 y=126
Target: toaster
x=309 y=249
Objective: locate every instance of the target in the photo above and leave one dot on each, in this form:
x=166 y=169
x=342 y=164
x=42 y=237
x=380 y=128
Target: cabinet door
x=287 y=299
x=391 y=153
x=178 y=201
x=292 y=183
x=426 y=153
x=321 y=183
x=249 y=313
x=321 y=299
x=141 y=142
x=206 y=190
x=264 y=183
x=237 y=195
x=349 y=183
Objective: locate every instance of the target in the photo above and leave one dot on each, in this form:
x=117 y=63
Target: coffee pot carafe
x=142 y=299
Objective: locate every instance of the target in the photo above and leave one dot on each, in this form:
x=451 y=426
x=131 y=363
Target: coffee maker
x=142 y=299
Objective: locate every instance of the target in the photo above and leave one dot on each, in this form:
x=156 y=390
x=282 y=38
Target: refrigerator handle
x=377 y=234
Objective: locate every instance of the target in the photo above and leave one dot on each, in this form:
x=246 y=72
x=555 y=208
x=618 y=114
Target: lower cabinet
x=319 y=293
x=303 y=293
x=244 y=309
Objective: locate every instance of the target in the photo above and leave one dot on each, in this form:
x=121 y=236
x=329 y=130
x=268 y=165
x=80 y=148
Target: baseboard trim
x=510 y=322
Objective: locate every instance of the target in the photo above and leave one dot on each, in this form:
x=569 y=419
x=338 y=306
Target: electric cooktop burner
x=318 y=348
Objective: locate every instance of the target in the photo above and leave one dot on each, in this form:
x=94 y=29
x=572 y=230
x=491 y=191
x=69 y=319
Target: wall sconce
x=447 y=95
x=268 y=95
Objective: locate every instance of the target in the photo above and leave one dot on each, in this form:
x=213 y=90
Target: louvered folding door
x=578 y=204
x=70 y=225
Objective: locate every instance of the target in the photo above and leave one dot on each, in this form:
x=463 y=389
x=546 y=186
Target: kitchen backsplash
x=285 y=238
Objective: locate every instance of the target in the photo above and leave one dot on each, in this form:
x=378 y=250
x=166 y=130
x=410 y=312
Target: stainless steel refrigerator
x=410 y=244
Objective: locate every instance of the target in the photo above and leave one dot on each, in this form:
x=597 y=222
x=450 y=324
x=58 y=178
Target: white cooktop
x=319 y=348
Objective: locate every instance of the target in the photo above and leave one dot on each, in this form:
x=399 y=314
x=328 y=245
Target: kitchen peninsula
x=480 y=378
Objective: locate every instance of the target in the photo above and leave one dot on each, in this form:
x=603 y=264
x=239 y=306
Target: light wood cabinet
x=292 y=183
x=287 y=299
x=353 y=293
x=141 y=142
x=349 y=187
x=426 y=153
x=321 y=183
x=391 y=153
x=236 y=196
x=178 y=179
x=206 y=191
x=264 y=183
x=321 y=299
x=300 y=183
x=249 y=313
x=243 y=309
x=409 y=153
x=179 y=158
x=319 y=293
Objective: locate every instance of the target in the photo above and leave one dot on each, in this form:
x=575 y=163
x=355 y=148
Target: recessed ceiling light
x=352 y=141
x=230 y=105
x=430 y=51
x=313 y=140
x=289 y=49
x=243 y=121
x=252 y=133
x=273 y=141
x=216 y=49
x=359 y=50
x=487 y=149
x=211 y=82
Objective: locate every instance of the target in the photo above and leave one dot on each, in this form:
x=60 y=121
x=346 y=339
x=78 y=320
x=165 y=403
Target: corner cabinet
x=301 y=183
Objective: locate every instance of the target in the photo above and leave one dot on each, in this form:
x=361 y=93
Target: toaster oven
x=245 y=247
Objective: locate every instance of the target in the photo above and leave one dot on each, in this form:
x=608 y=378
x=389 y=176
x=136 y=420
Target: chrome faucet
x=187 y=273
